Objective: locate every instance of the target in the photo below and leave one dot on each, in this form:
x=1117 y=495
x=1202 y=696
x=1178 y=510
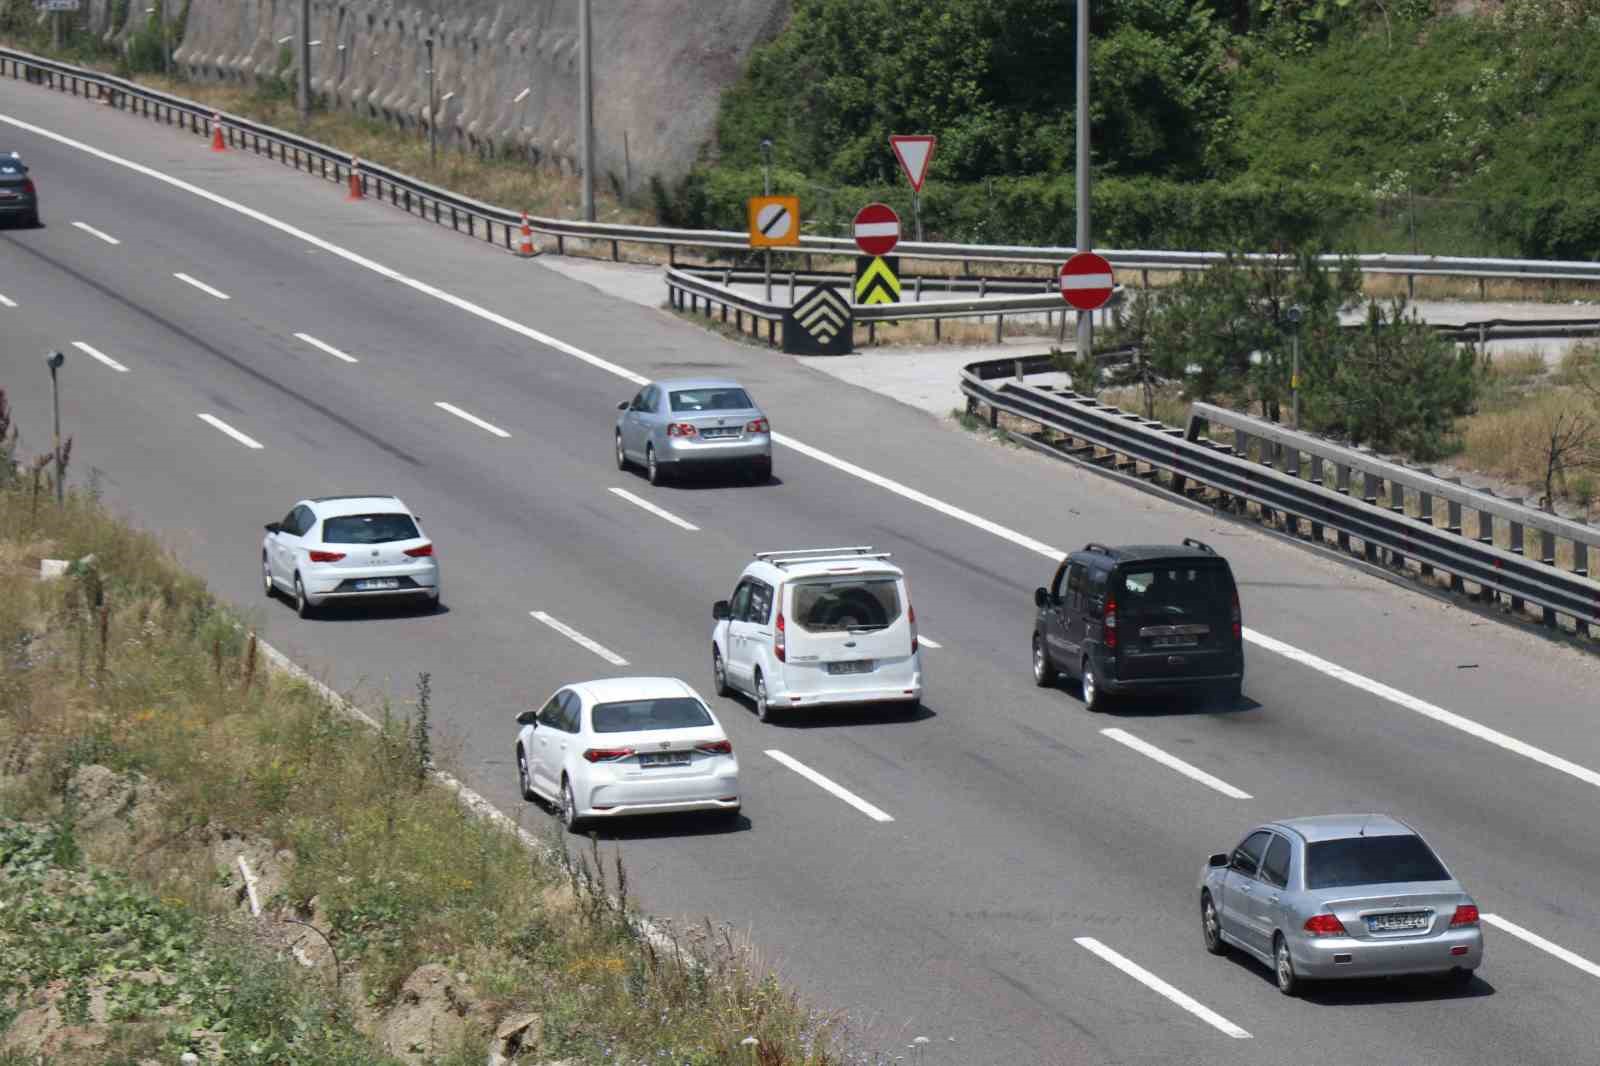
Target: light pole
x=433 y=140
x=766 y=190
x=586 y=109
x=303 y=95
x=1085 y=318
x=166 y=50
x=1294 y=316
x=54 y=361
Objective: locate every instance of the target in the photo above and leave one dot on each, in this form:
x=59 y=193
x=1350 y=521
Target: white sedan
x=624 y=746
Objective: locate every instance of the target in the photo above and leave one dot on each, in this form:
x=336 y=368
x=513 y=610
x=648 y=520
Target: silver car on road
x=672 y=426
x=1342 y=895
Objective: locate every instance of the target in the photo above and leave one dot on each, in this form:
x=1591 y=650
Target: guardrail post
x=1547 y=555
x=1425 y=516
x=994 y=417
x=1291 y=466
x=738 y=319
x=791 y=287
x=772 y=333
x=1397 y=504
x=1316 y=479
x=872 y=332
x=613 y=251
x=561 y=245
x=938 y=331
x=1580 y=567
x=1241 y=443
x=1369 y=494
x=1516 y=549
x=724 y=313
x=999 y=326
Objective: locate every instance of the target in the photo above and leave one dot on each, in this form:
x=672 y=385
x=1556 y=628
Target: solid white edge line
x=1571 y=958
x=1156 y=984
x=657 y=511
x=102 y=356
x=930 y=642
x=202 y=286
x=324 y=346
x=826 y=785
x=91 y=231
x=1424 y=708
x=1172 y=762
x=579 y=639
x=948 y=510
x=474 y=419
x=217 y=423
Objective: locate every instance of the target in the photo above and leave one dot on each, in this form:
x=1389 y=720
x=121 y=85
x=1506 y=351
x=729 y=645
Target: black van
x=1141 y=617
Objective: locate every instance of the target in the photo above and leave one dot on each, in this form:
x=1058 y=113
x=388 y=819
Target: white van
x=813 y=627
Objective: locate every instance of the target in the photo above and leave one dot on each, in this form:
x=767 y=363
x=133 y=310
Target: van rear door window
x=846 y=604
x=1172 y=592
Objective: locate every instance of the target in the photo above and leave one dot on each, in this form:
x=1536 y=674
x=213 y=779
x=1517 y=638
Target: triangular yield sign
x=914 y=151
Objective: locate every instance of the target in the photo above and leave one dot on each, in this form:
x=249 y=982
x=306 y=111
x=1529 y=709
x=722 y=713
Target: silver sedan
x=1344 y=895
x=673 y=426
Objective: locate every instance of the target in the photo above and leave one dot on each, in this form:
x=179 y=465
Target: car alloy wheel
x=652 y=469
x=569 y=807
x=1211 y=926
x=1288 y=983
x=1092 y=699
x=622 y=456
x=719 y=673
x=522 y=775
x=266 y=576
x=302 y=606
x=764 y=710
x=1044 y=674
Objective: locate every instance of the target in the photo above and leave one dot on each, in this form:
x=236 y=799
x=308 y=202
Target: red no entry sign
x=1087 y=281
x=877 y=229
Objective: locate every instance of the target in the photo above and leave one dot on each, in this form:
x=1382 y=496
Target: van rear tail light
x=911 y=612
x=1237 y=630
x=716 y=747
x=681 y=429
x=607 y=754
x=420 y=551
x=780 y=644
x=757 y=426
x=326 y=557
x=1109 y=620
x=1325 y=925
x=1465 y=915
x=27 y=187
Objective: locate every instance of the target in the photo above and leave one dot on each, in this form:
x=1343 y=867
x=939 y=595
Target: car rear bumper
x=1335 y=957
x=341 y=584
x=699 y=792
x=1117 y=686
x=676 y=807
x=905 y=693
x=689 y=451
x=18 y=207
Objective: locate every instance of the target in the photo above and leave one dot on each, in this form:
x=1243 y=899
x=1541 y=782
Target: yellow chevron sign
x=877 y=280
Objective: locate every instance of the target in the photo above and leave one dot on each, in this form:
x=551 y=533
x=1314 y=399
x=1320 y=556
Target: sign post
x=914 y=151
x=1085 y=318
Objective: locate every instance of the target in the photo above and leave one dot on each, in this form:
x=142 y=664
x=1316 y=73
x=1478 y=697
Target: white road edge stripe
x=474 y=419
x=1570 y=957
x=657 y=511
x=91 y=231
x=6 y=301
x=323 y=346
x=102 y=356
x=929 y=641
x=217 y=423
x=1174 y=763
x=579 y=639
x=1021 y=540
x=202 y=286
x=826 y=785
x=1151 y=981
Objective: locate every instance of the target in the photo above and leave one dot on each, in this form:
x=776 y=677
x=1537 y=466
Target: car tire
x=719 y=674
x=1211 y=926
x=765 y=711
x=622 y=456
x=524 y=784
x=1289 y=982
x=653 y=471
x=302 y=605
x=569 y=807
x=269 y=586
x=1094 y=697
x=1044 y=671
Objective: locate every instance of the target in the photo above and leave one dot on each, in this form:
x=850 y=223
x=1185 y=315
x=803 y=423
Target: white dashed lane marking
x=474 y=419
x=217 y=423
x=1156 y=984
x=659 y=512
x=202 y=286
x=1172 y=762
x=91 y=231
x=101 y=356
x=325 y=347
x=579 y=639
x=875 y=813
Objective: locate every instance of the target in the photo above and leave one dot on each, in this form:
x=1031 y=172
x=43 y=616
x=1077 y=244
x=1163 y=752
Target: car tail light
x=607 y=754
x=1325 y=925
x=420 y=551
x=911 y=612
x=1237 y=631
x=1109 y=620
x=326 y=557
x=779 y=642
x=716 y=747
x=758 y=426
x=1465 y=915
x=27 y=187
x=681 y=429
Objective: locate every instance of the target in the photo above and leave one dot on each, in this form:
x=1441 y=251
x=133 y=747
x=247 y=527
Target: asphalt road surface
x=1029 y=853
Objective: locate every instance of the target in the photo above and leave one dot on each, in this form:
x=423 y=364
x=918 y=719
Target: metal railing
x=419 y=197
x=1082 y=428
x=691 y=293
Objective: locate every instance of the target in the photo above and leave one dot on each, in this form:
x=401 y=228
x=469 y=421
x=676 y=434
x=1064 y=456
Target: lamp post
x=433 y=140
x=586 y=109
x=54 y=361
x=303 y=92
x=1085 y=318
x=1294 y=316
x=766 y=190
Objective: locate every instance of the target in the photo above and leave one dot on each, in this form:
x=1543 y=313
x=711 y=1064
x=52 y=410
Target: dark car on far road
x=19 y=200
x=1141 y=617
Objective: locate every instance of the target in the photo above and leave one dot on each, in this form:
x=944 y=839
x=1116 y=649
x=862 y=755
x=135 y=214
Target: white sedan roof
x=619 y=689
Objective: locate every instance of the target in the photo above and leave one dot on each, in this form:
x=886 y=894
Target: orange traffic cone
x=527 y=250
x=355 y=180
x=217 y=143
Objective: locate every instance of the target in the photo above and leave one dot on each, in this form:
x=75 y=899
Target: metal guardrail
x=689 y=292
x=419 y=196
x=1138 y=447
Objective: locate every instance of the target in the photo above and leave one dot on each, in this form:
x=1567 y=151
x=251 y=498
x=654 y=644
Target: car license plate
x=860 y=666
x=373 y=584
x=1173 y=642
x=664 y=758
x=1396 y=923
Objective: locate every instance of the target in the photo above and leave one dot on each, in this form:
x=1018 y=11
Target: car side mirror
x=273 y=527
x=1218 y=861
x=719 y=610
x=528 y=717
x=623 y=406
x=1041 y=597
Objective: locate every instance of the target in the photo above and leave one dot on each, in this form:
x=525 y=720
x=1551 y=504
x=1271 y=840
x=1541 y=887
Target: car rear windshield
x=632 y=716
x=845 y=604
x=719 y=399
x=1175 y=590
x=1371 y=861
x=368 y=529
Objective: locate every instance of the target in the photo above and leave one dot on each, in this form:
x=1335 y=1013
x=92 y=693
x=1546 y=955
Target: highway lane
x=981 y=616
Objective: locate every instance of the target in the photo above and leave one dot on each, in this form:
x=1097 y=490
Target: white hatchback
x=349 y=548
x=624 y=746
x=817 y=627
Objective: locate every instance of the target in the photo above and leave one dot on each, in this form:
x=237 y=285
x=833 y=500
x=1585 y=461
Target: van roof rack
x=1096 y=546
x=818 y=555
x=1200 y=545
